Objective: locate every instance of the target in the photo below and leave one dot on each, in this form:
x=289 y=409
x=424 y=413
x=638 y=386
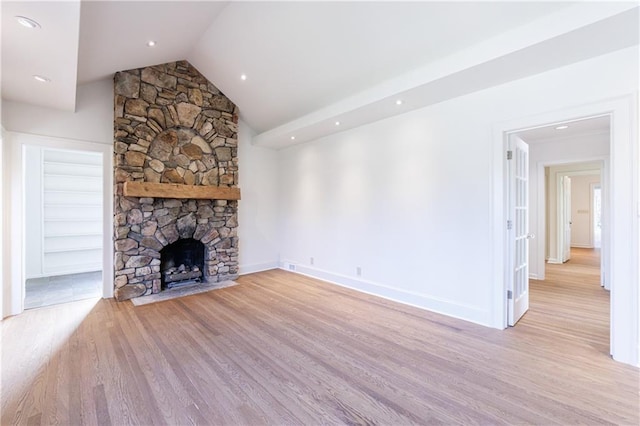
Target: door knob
x=531 y=236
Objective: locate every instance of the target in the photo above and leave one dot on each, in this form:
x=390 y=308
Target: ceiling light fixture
x=42 y=79
x=399 y=102
x=337 y=123
x=243 y=77
x=564 y=126
x=151 y=43
x=293 y=138
x=27 y=22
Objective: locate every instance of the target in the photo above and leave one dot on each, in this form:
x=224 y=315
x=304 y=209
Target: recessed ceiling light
x=27 y=22
x=243 y=77
x=399 y=102
x=151 y=43
x=562 y=127
x=42 y=79
x=337 y=123
x=293 y=138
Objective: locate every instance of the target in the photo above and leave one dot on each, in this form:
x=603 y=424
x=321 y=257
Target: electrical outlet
x=292 y=267
x=311 y=260
x=358 y=271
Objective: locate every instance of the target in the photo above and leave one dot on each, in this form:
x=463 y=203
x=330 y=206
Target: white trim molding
x=258 y=267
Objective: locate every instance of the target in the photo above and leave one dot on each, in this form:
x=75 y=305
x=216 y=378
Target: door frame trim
x=624 y=232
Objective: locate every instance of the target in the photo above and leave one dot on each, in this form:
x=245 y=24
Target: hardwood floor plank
x=296 y=388
x=74 y=385
x=177 y=365
x=117 y=386
x=102 y=416
x=441 y=362
x=245 y=368
x=393 y=351
x=310 y=342
x=281 y=348
x=35 y=420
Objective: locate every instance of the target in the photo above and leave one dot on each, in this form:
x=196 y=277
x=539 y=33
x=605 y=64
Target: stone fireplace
x=175 y=157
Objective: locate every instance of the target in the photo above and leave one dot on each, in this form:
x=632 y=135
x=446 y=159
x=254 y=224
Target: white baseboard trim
x=422 y=301
x=257 y=267
x=533 y=276
x=554 y=261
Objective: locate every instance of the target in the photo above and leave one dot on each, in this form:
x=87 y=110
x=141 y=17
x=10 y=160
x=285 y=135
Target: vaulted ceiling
x=308 y=65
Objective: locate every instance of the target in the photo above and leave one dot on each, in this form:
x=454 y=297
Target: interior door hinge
x=509 y=224
x=509 y=155
x=509 y=294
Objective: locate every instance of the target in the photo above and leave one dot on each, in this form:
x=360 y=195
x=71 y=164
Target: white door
x=566 y=218
x=518 y=229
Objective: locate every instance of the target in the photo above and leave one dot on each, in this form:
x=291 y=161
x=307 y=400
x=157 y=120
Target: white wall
x=257 y=210
x=582 y=210
x=547 y=153
x=407 y=199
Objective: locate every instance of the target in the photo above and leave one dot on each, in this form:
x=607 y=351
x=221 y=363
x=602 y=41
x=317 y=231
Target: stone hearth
x=172 y=126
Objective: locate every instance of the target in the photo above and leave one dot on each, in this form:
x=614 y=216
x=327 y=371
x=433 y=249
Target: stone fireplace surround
x=172 y=126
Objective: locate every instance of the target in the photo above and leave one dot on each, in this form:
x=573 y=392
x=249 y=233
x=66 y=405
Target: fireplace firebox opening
x=182 y=263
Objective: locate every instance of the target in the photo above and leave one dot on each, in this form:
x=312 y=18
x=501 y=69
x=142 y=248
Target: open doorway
x=569 y=210
x=619 y=218
x=566 y=162
x=63 y=217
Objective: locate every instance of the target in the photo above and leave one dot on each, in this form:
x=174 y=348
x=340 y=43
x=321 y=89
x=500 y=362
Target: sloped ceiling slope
x=302 y=56
x=114 y=35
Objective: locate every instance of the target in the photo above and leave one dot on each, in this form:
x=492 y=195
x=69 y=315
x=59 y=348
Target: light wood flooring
x=570 y=304
x=283 y=349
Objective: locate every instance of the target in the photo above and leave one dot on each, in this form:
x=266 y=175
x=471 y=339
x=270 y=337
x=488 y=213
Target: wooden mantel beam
x=175 y=190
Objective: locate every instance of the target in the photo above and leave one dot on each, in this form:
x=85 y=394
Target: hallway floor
x=570 y=303
x=62 y=289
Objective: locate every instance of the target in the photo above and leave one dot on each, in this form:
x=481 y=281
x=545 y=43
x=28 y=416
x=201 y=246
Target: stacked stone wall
x=172 y=126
